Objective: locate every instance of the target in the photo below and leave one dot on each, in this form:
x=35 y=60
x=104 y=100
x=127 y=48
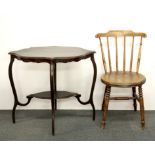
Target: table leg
x=13 y=89
x=93 y=85
x=55 y=78
x=90 y=100
x=16 y=102
x=53 y=93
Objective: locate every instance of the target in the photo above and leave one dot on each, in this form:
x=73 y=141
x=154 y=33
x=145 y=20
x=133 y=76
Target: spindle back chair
x=122 y=76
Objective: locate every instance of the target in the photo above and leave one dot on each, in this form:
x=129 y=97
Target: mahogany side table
x=52 y=55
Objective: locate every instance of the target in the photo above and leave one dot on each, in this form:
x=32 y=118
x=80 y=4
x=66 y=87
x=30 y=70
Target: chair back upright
x=125 y=39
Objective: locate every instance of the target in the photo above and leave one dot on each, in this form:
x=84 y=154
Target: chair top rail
x=119 y=33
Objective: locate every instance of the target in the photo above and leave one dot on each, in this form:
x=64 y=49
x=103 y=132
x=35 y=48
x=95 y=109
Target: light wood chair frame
x=115 y=34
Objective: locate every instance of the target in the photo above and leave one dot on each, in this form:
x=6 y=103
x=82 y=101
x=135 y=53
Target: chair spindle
x=124 y=56
x=139 y=55
x=109 y=58
x=132 y=49
x=116 y=54
x=103 y=57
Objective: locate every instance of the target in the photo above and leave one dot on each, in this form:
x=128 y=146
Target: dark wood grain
x=52 y=53
x=58 y=95
x=134 y=98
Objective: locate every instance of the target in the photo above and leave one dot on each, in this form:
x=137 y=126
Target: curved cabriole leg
x=93 y=85
x=103 y=99
x=134 y=100
x=106 y=103
x=16 y=102
x=90 y=100
x=53 y=97
x=141 y=102
x=13 y=89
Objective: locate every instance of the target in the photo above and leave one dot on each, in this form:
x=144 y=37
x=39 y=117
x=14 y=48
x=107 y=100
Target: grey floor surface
x=76 y=125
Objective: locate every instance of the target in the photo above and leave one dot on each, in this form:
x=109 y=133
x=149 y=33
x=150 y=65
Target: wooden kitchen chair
x=121 y=75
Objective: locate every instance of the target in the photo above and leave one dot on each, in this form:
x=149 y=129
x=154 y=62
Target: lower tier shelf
x=59 y=95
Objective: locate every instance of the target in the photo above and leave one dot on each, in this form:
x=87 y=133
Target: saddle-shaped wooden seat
x=123 y=79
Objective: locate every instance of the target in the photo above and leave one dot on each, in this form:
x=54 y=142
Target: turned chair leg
x=141 y=102
x=106 y=103
x=134 y=100
x=104 y=98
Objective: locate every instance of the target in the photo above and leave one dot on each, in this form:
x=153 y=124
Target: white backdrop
x=27 y=23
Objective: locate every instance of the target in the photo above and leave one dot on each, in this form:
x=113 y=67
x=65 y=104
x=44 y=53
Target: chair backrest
x=121 y=39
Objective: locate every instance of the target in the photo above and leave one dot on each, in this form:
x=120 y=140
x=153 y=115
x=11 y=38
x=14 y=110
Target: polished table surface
x=52 y=53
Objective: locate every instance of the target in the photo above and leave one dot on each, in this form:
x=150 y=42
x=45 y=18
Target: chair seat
x=123 y=79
